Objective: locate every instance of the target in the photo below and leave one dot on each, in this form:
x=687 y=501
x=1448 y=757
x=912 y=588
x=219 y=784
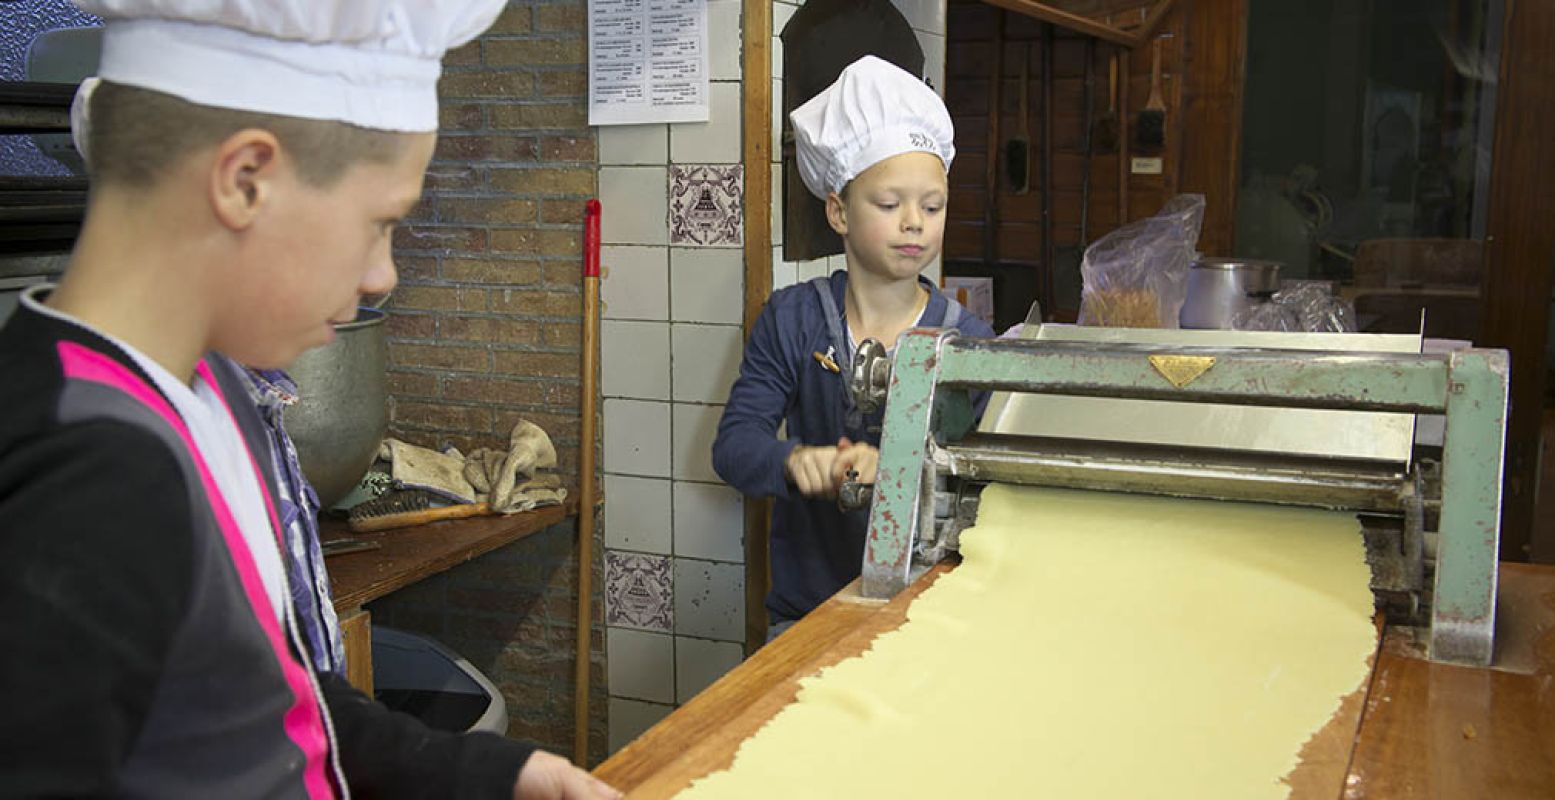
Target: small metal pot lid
x=1237 y=264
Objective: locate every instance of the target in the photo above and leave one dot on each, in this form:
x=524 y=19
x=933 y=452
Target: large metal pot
x=1221 y=288
x=342 y=415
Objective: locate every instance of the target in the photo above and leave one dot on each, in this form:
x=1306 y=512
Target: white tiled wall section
x=716 y=141
x=642 y=665
x=636 y=205
x=635 y=283
x=662 y=497
x=637 y=514
x=629 y=718
x=706 y=285
x=709 y=599
x=637 y=437
x=635 y=359
x=694 y=429
x=784 y=273
x=923 y=15
x=633 y=144
x=723 y=36
x=706 y=359
x=709 y=521
x=699 y=662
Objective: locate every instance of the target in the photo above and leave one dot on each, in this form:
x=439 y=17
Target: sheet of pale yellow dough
x=1090 y=645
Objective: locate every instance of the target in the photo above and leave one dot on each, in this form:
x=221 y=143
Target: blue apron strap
x=839 y=338
x=953 y=312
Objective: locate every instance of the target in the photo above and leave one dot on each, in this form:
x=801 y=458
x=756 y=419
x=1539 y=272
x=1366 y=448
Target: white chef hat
x=873 y=111
x=372 y=63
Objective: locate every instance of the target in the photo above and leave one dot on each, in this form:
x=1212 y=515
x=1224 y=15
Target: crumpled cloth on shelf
x=517 y=479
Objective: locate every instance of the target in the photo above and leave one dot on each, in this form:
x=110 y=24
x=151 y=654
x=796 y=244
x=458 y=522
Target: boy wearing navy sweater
x=877 y=147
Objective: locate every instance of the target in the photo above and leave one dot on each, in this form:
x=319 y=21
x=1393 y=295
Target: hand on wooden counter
x=546 y=776
x=819 y=471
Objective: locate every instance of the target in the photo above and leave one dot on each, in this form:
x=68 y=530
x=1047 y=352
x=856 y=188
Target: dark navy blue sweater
x=816 y=548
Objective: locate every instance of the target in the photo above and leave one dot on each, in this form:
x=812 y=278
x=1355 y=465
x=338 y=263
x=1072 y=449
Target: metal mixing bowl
x=1220 y=288
x=343 y=414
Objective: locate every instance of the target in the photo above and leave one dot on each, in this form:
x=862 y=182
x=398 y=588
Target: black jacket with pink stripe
x=132 y=662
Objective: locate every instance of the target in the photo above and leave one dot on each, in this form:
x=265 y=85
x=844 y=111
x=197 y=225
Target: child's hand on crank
x=861 y=458
x=810 y=469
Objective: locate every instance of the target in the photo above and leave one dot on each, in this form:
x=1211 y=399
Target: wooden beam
x=1064 y=19
x=1157 y=14
x=756 y=61
x=1076 y=19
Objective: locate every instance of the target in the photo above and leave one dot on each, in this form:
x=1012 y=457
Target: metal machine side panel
x=1463 y=608
x=1365 y=435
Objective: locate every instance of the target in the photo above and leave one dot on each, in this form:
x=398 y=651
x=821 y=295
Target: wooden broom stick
x=590 y=380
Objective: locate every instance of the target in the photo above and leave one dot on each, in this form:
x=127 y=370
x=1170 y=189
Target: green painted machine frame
x=928 y=403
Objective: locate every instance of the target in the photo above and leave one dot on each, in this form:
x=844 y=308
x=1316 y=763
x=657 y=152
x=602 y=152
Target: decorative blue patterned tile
x=706 y=206
x=638 y=591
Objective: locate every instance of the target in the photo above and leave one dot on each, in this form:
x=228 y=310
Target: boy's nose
x=912 y=220
x=381 y=279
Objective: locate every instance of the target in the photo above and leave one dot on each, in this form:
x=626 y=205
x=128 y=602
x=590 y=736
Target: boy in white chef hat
x=249 y=160
x=876 y=146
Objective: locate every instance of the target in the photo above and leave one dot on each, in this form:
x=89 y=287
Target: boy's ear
x=242 y=177
x=837 y=214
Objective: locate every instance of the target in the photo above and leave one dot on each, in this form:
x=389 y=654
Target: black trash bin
x=420 y=677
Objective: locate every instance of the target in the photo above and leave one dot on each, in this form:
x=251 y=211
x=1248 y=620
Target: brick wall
x=485 y=328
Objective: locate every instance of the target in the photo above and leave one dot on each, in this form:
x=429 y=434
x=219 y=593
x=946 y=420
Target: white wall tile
x=710 y=599
x=809 y=270
x=784 y=273
x=637 y=437
x=707 y=285
x=634 y=359
x=633 y=144
x=777 y=117
x=933 y=271
x=706 y=359
x=695 y=428
x=781 y=14
x=699 y=662
x=777 y=203
x=636 y=205
x=635 y=282
x=641 y=664
x=637 y=514
x=716 y=141
x=923 y=15
x=933 y=59
x=629 y=719
x=724 y=37
x=709 y=521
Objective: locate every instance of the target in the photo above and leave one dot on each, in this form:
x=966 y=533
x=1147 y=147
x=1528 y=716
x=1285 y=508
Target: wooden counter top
x=407 y=555
x=702 y=735
x=1416 y=730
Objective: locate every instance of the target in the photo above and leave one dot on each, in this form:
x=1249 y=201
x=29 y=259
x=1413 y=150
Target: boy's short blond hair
x=137 y=135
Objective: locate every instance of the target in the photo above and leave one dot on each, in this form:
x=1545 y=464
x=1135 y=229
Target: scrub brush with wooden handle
x=1150 y=127
x=407 y=507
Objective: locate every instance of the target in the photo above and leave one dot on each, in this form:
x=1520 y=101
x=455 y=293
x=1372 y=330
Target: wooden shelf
x=407 y=555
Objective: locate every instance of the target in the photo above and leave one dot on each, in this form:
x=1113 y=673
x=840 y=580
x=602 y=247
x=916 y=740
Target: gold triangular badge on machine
x=1182 y=370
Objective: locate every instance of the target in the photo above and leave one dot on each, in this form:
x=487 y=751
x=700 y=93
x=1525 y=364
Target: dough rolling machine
x=1332 y=429
x=1321 y=420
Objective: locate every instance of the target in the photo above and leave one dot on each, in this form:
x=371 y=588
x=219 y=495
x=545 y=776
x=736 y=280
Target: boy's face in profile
x=315 y=253
x=894 y=216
